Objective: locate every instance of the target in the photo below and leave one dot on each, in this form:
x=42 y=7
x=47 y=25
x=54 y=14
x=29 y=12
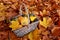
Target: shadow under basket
x=25 y=30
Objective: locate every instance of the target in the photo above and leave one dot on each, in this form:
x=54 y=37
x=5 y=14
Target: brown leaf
x=56 y=31
x=3 y=35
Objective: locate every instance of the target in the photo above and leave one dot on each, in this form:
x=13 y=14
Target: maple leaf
x=44 y=12
x=34 y=35
x=24 y=20
x=15 y=25
x=46 y=22
x=30 y=36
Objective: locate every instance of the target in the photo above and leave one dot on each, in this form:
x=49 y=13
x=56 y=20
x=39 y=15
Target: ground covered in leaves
x=48 y=12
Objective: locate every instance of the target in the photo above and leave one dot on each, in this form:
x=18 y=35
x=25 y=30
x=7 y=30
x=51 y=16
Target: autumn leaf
x=15 y=25
x=46 y=22
x=2 y=7
x=44 y=12
x=2 y=16
x=24 y=20
x=34 y=35
x=30 y=36
x=32 y=17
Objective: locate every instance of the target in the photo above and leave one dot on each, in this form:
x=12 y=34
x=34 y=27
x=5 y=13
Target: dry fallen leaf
x=44 y=12
x=46 y=22
x=2 y=7
x=34 y=35
x=2 y=16
x=23 y=20
x=56 y=31
x=30 y=36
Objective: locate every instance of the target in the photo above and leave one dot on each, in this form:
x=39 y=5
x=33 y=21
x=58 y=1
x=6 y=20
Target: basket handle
x=26 y=9
x=20 y=10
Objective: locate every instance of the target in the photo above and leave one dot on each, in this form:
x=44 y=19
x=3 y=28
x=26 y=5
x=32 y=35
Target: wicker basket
x=25 y=30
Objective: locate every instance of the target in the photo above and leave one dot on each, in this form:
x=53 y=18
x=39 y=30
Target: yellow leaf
x=2 y=7
x=24 y=20
x=15 y=25
x=30 y=36
x=34 y=35
x=44 y=12
x=46 y=22
x=2 y=16
x=32 y=18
